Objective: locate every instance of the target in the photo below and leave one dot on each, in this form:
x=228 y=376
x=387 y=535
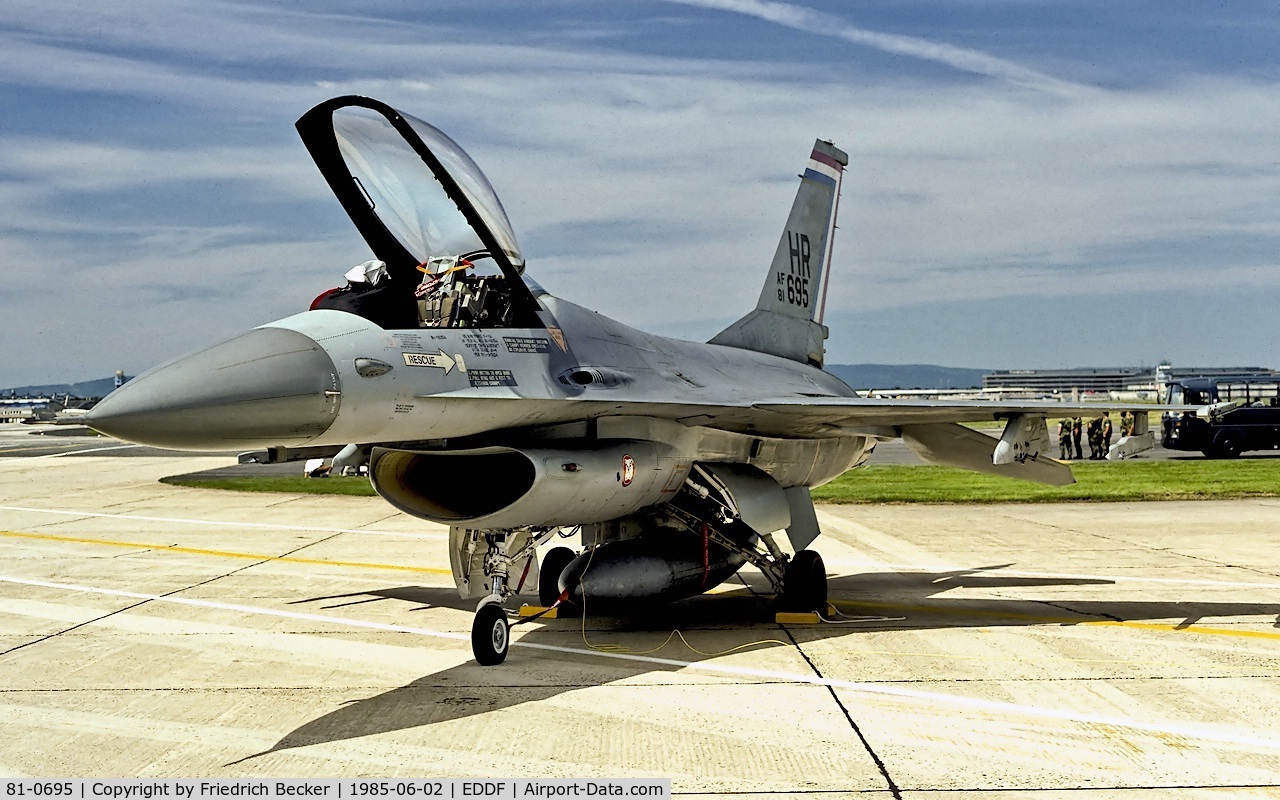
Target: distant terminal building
x=17 y=409
x=1109 y=381
x=1065 y=381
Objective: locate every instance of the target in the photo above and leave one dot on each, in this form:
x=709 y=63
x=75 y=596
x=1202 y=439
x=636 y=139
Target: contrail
x=810 y=21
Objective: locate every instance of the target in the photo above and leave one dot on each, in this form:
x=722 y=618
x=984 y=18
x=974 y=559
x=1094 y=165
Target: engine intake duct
x=453 y=487
x=516 y=487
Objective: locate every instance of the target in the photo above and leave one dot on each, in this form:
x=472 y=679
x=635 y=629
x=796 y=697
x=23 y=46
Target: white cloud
x=653 y=188
x=134 y=313
x=50 y=166
x=960 y=58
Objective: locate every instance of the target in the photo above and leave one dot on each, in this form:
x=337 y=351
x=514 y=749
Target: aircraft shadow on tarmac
x=890 y=601
x=914 y=595
x=469 y=689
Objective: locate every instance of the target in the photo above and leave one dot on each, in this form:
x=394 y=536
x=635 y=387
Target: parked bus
x=1239 y=414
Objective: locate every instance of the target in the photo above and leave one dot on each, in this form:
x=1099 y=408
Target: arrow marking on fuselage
x=440 y=360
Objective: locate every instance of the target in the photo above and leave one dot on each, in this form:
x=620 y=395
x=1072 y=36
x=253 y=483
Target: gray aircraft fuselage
x=331 y=378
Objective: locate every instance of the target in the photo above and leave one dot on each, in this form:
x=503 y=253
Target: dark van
x=1240 y=414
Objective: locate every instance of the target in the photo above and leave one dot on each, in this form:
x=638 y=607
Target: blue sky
x=1032 y=184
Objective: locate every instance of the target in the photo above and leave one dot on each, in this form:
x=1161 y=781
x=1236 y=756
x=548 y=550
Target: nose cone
x=270 y=386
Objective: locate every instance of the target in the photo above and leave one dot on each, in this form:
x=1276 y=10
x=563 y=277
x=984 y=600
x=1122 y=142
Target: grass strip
x=1133 y=480
x=287 y=484
x=1106 y=481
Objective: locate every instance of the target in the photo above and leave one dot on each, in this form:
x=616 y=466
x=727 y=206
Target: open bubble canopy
x=412 y=191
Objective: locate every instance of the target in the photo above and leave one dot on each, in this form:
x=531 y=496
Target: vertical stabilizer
x=787 y=320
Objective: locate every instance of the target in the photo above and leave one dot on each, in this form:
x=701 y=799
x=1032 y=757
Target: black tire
x=804 y=586
x=1228 y=444
x=490 y=635
x=549 y=573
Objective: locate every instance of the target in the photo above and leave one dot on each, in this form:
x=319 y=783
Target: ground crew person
x=1094 y=431
x=1126 y=424
x=1104 y=436
x=1064 y=438
x=1076 y=426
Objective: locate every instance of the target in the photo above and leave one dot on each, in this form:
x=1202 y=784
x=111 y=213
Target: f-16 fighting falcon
x=480 y=401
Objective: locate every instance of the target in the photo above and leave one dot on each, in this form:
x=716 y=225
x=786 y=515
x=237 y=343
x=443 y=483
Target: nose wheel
x=490 y=635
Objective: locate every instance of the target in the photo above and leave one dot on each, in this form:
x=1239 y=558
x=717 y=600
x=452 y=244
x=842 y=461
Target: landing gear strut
x=708 y=509
x=490 y=630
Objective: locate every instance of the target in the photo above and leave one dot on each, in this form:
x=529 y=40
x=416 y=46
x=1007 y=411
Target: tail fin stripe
x=823 y=158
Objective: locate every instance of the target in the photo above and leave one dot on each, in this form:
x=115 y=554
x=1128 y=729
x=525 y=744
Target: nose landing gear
x=502 y=550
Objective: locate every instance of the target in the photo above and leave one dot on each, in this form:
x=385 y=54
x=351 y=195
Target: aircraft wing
x=933 y=428
x=859 y=413
x=837 y=416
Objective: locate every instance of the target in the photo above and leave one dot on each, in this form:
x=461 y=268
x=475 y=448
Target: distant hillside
x=98 y=388
x=907 y=376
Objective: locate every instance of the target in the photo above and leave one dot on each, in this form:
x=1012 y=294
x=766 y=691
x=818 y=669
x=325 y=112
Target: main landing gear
x=706 y=508
x=804 y=584
x=799 y=581
x=552 y=567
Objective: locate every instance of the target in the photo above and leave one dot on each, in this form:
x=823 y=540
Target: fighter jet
x=480 y=401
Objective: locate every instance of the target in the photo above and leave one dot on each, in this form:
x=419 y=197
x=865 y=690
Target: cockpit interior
x=447 y=256
x=456 y=292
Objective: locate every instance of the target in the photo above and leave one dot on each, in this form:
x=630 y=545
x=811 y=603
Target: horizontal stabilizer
x=765 y=331
x=957 y=446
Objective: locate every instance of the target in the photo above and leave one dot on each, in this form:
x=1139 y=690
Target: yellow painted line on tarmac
x=1142 y=662
x=1216 y=732
x=1156 y=626
x=919 y=609
x=222 y=553
x=1102 y=623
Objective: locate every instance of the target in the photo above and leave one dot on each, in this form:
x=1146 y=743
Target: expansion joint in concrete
x=875 y=757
